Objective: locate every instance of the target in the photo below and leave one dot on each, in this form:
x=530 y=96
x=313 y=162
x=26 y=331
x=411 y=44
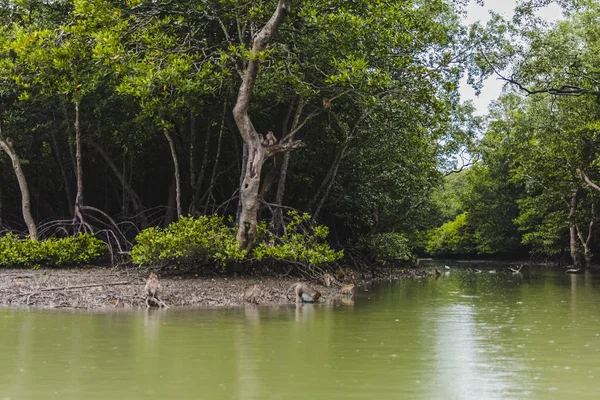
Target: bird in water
x=492 y=271
x=477 y=271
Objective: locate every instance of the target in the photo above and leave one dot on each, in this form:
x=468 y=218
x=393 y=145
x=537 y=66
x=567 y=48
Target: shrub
x=386 y=248
x=72 y=250
x=452 y=238
x=300 y=243
x=188 y=240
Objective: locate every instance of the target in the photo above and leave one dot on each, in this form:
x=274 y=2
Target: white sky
x=492 y=86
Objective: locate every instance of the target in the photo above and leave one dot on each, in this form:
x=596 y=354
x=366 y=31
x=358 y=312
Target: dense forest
x=296 y=130
x=533 y=189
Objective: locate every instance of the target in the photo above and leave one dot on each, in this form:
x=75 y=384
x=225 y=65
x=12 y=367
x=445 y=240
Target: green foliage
x=387 y=248
x=298 y=244
x=188 y=241
x=454 y=237
x=209 y=239
x=72 y=250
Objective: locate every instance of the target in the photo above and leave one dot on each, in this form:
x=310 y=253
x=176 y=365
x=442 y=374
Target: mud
x=95 y=288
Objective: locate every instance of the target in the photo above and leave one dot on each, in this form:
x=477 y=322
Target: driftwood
x=515 y=270
x=83 y=286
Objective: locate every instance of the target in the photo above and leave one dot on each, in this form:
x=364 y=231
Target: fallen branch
x=84 y=286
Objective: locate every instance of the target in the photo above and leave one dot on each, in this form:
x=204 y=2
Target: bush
x=386 y=248
x=186 y=241
x=72 y=250
x=300 y=243
x=453 y=238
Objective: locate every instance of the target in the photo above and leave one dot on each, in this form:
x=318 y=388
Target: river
x=465 y=335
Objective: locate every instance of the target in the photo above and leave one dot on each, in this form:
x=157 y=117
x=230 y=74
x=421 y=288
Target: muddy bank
x=103 y=288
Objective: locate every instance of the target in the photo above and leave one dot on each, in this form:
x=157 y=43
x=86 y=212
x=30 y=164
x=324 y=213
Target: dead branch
x=83 y=286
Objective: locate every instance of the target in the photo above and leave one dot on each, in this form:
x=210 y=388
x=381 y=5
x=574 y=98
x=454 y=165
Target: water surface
x=466 y=335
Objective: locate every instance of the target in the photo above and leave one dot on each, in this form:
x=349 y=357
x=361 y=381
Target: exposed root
x=156 y=302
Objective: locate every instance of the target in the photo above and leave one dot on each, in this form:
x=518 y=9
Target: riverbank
x=96 y=288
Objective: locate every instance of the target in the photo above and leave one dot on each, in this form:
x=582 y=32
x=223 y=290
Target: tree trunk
x=7 y=146
x=62 y=172
x=238 y=213
x=78 y=168
x=171 y=210
x=327 y=183
x=177 y=177
x=285 y=163
x=213 y=176
x=127 y=189
x=257 y=151
x=200 y=178
x=192 y=146
x=574 y=242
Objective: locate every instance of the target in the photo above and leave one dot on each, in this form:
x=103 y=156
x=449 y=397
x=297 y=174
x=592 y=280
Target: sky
x=493 y=86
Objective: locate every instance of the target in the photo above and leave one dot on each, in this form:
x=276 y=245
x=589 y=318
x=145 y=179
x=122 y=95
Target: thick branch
x=587 y=180
x=283 y=147
x=240 y=111
x=7 y=146
x=565 y=90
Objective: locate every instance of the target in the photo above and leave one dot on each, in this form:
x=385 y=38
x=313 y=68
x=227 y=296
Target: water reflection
x=468 y=335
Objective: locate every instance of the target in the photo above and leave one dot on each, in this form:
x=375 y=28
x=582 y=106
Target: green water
x=462 y=336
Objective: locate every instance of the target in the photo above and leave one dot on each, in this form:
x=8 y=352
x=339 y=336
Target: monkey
x=347 y=289
x=271 y=139
x=326 y=103
x=328 y=279
x=251 y=293
x=262 y=139
x=344 y=274
x=437 y=272
x=152 y=289
x=304 y=293
x=152 y=285
x=340 y=273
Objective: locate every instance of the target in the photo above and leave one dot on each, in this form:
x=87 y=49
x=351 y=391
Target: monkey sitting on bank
x=251 y=294
x=328 y=279
x=152 y=289
x=304 y=293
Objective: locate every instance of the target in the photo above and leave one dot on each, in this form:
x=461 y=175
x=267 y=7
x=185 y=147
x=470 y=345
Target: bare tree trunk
x=68 y=121
x=200 y=178
x=79 y=167
x=171 y=209
x=586 y=243
x=7 y=146
x=257 y=152
x=285 y=163
x=177 y=177
x=62 y=172
x=192 y=145
x=211 y=185
x=574 y=243
x=127 y=189
x=329 y=185
x=242 y=175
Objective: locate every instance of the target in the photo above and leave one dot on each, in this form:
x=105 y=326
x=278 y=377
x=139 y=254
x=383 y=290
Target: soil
x=96 y=288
